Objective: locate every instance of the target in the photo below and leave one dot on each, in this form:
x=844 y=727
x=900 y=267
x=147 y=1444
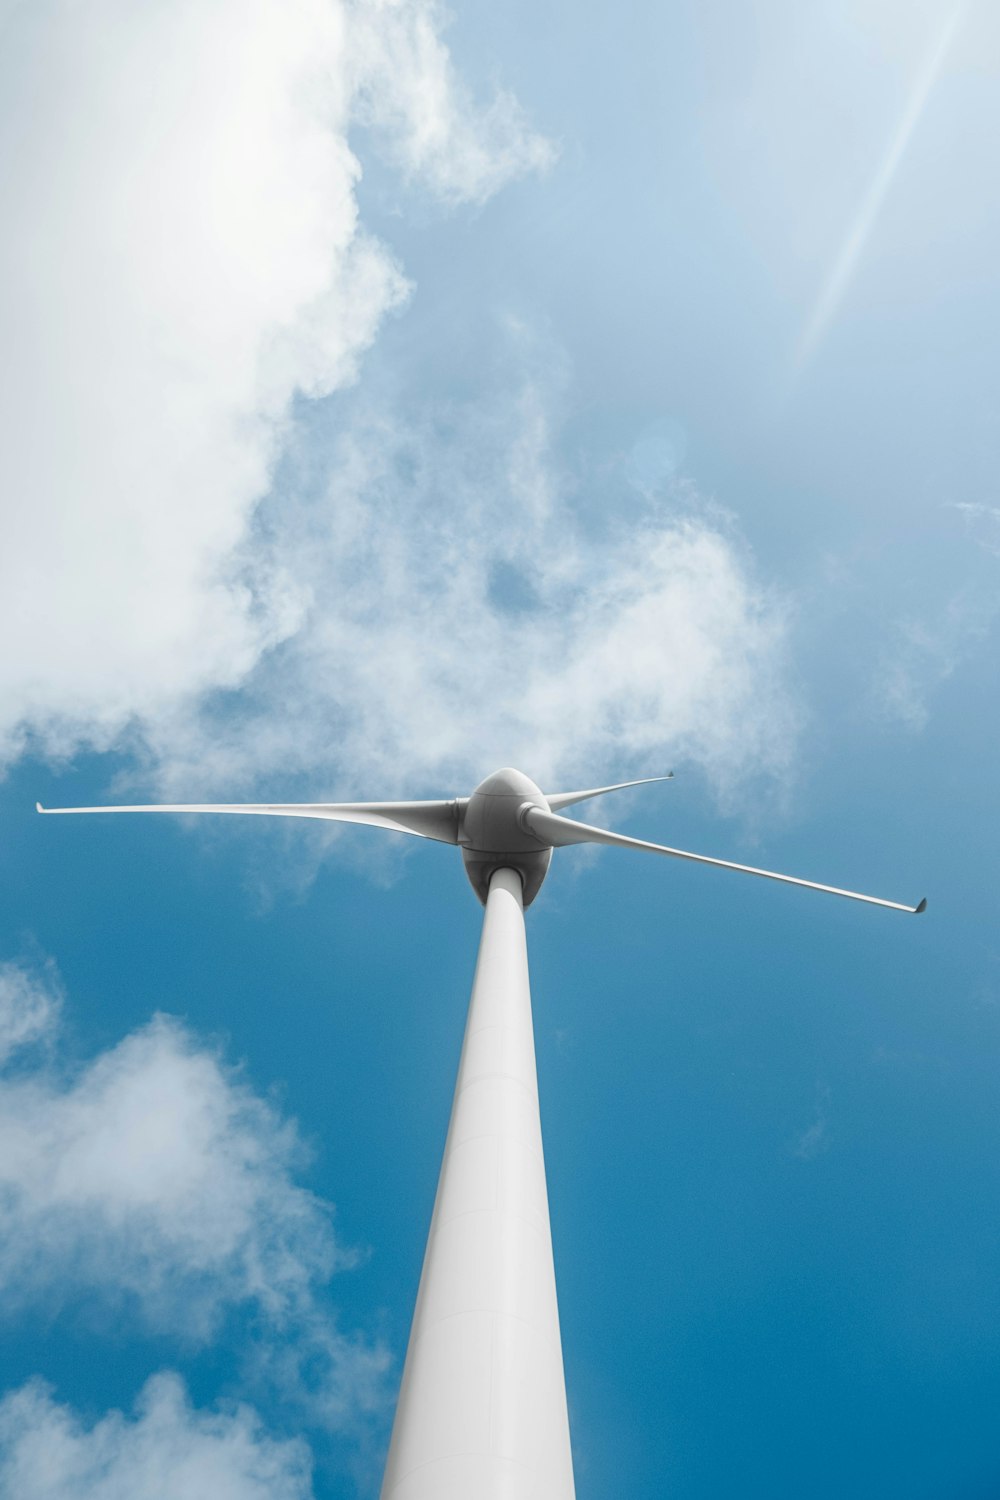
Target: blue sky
x=391 y=395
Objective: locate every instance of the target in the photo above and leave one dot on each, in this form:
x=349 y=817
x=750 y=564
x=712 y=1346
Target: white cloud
x=186 y=255
x=155 y=1182
x=472 y=606
x=30 y=1002
x=166 y=1451
x=182 y=253
x=411 y=94
x=923 y=653
x=983 y=524
x=157 y=1173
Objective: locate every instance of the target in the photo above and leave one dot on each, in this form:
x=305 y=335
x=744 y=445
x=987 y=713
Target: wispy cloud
x=815 y=1138
x=982 y=523
x=846 y=262
x=31 y=1000
x=472 y=606
x=155 y=1181
x=924 y=651
x=410 y=93
x=165 y=1448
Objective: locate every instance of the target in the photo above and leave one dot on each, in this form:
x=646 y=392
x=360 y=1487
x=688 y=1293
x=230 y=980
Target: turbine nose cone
x=508 y=783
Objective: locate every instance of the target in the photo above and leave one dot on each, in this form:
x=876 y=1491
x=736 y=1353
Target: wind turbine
x=482 y=1407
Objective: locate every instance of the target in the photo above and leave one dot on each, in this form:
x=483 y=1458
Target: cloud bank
x=186 y=260
x=183 y=255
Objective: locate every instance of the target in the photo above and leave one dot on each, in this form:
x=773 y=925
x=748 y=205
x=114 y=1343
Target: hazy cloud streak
x=846 y=262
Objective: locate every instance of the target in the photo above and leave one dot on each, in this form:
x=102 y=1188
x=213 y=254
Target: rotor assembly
x=493 y=835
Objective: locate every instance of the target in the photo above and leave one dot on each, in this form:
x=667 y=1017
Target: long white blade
x=566 y=799
x=429 y=820
x=562 y=831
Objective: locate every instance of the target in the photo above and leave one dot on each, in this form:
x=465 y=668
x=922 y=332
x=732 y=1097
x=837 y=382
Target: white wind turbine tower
x=482 y=1406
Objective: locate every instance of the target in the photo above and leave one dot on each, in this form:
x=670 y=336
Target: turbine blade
x=562 y=831
x=566 y=799
x=429 y=820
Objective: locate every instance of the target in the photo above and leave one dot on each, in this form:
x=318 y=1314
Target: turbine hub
x=492 y=836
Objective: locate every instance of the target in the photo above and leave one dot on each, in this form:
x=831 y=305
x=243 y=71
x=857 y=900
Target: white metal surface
x=492 y=838
x=558 y=800
x=552 y=829
x=482 y=1407
x=429 y=820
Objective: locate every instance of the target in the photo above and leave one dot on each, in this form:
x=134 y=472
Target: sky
x=390 y=394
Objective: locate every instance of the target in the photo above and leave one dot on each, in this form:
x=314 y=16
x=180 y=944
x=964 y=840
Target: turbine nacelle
x=493 y=835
